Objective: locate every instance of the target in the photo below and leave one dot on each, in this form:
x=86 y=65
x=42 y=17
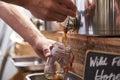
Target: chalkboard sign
x=102 y=66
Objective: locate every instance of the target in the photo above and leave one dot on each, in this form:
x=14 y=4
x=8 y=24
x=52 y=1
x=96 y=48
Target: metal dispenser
x=99 y=17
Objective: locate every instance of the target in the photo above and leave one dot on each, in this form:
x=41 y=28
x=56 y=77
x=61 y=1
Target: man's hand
x=42 y=47
x=61 y=54
x=51 y=10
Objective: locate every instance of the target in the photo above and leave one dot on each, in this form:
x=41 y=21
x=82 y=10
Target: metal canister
x=99 y=17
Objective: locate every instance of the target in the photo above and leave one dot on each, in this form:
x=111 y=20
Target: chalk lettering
x=100 y=75
x=102 y=61
x=116 y=61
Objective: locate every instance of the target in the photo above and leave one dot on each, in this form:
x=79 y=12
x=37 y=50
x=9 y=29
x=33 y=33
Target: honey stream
x=65 y=42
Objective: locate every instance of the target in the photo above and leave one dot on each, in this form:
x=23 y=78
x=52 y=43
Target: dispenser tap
x=73 y=23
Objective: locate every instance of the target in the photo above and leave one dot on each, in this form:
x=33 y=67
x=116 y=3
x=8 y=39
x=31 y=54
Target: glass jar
x=57 y=65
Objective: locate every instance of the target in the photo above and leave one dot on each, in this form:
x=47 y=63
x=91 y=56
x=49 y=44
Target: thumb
x=46 y=52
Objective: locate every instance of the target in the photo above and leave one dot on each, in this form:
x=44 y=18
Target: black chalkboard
x=102 y=66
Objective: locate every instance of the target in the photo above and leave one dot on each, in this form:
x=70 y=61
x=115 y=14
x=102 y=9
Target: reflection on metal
x=28 y=63
x=99 y=17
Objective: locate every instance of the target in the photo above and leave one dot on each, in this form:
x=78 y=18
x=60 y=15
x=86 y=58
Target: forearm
x=19 y=22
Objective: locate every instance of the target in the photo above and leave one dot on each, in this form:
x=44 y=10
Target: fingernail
x=47 y=54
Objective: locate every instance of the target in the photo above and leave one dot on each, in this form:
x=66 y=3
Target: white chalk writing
x=102 y=61
x=100 y=75
x=116 y=61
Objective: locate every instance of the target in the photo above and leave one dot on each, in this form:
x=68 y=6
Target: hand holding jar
x=59 y=62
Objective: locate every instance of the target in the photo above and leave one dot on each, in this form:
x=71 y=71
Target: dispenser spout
x=73 y=23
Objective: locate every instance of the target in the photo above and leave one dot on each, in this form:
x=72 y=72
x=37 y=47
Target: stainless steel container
x=28 y=63
x=40 y=76
x=99 y=17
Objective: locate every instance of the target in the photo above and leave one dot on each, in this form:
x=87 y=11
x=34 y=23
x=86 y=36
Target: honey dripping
x=65 y=37
x=65 y=40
